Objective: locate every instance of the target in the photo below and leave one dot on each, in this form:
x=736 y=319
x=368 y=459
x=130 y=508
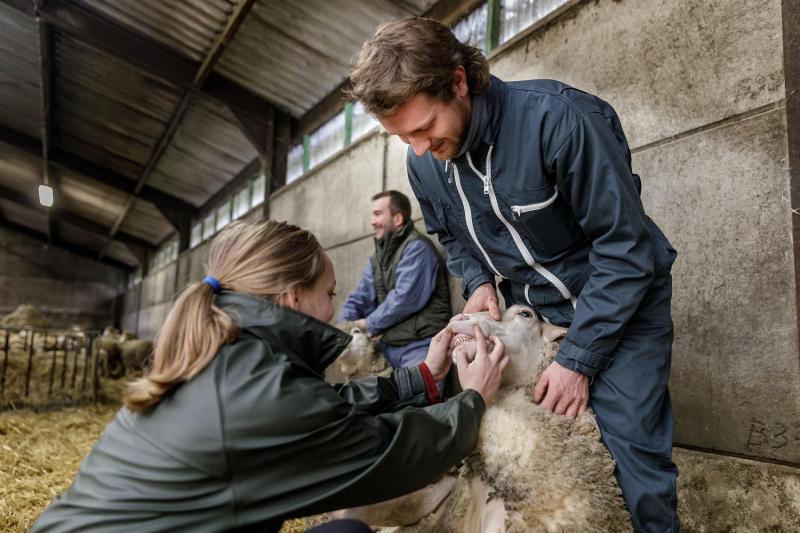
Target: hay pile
x=40 y=453
x=25 y=316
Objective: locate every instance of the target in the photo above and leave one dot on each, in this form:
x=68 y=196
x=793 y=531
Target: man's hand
x=484 y=299
x=437 y=360
x=567 y=392
x=361 y=324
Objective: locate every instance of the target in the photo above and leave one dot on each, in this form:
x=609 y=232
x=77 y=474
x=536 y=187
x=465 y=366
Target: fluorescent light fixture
x=46 y=195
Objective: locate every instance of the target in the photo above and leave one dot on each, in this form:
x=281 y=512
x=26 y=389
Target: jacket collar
x=485 y=117
x=385 y=248
x=316 y=342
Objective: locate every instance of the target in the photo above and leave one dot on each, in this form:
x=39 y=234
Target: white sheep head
x=525 y=336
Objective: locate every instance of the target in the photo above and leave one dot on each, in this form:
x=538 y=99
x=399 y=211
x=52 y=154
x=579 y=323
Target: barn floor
x=40 y=452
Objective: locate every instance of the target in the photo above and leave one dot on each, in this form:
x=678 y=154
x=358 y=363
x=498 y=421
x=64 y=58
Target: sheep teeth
x=461 y=340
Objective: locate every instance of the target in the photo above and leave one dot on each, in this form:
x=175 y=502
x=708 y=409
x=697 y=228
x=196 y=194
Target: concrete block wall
x=67 y=288
x=146 y=305
x=699 y=86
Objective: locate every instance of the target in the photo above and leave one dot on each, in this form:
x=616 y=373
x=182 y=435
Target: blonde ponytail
x=265 y=259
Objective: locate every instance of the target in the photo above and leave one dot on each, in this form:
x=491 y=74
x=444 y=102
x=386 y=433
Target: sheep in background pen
x=109 y=356
x=122 y=353
x=361 y=358
x=136 y=354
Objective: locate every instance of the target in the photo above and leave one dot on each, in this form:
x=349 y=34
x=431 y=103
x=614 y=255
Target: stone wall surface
x=721 y=197
x=67 y=288
x=667 y=67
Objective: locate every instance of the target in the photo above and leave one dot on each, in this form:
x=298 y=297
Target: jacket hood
x=314 y=341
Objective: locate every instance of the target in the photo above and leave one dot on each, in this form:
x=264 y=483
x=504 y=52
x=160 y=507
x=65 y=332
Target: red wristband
x=431 y=390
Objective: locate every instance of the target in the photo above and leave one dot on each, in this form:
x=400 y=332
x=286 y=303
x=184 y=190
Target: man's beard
x=459 y=135
x=388 y=232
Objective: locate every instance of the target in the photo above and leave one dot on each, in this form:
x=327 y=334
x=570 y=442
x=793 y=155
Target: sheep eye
x=525 y=314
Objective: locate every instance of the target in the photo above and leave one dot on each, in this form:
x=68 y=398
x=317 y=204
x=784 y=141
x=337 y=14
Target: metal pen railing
x=29 y=347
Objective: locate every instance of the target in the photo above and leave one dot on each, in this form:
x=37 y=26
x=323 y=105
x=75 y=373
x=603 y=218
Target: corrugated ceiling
x=110 y=111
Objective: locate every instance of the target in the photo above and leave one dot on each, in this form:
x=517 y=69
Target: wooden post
x=30 y=364
x=5 y=363
x=65 y=362
x=75 y=363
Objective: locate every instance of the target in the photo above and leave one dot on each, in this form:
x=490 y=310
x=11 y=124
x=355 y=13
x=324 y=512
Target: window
x=363 y=122
x=172 y=255
x=258 y=191
x=516 y=15
x=208 y=226
x=472 y=28
x=294 y=167
x=197 y=234
x=327 y=140
x=155 y=261
x=241 y=202
x=223 y=215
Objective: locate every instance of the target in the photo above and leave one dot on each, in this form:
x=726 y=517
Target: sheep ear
x=552 y=333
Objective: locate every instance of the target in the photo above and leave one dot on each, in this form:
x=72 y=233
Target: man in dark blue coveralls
x=531 y=182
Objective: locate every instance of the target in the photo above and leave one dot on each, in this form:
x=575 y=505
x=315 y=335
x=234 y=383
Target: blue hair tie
x=212 y=282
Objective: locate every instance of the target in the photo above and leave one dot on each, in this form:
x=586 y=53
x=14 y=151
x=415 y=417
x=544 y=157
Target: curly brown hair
x=409 y=56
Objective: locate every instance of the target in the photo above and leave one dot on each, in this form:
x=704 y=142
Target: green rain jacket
x=258 y=437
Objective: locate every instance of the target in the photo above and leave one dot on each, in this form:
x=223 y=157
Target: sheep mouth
x=468 y=344
x=460 y=339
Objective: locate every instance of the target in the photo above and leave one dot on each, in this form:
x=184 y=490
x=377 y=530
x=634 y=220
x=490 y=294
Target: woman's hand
x=485 y=373
x=437 y=360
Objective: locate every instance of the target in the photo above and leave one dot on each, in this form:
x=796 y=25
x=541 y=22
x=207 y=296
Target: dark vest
x=435 y=315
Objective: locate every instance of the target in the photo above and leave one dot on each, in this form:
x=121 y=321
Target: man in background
x=403 y=294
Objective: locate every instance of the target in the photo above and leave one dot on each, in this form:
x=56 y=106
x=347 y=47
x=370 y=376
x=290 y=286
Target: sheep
x=122 y=352
x=25 y=316
x=361 y=358
x=136 y=354
x=531 y=470
x=109 y=356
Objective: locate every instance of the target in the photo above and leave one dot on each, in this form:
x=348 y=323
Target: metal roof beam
x=166 y=203
x=141 y=51
x=64 y=245
x=272 y=146
x=243 y=177
x=68 y=217
x=182 y=223
x=25 y=6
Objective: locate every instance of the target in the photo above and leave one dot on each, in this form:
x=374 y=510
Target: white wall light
x=46 y=195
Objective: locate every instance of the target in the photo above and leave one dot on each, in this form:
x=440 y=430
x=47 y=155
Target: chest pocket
x=456 y=227
x=543 y=216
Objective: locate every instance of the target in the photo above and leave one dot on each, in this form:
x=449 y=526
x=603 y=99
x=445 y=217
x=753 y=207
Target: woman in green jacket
x=234 y=427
